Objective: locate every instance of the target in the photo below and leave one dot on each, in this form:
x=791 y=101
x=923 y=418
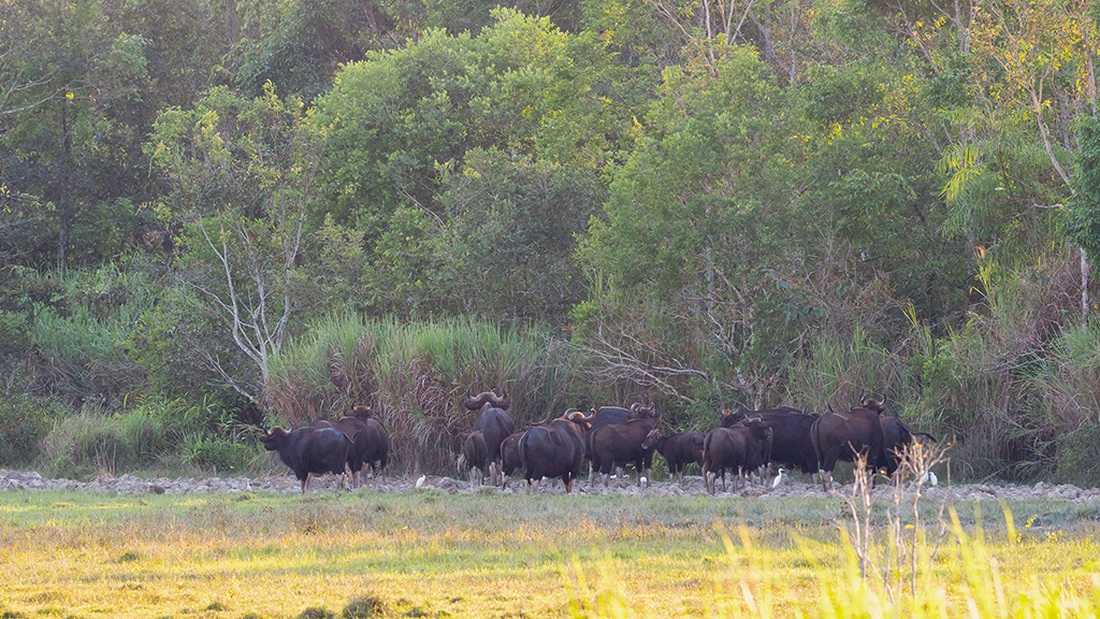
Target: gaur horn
x=474 y=403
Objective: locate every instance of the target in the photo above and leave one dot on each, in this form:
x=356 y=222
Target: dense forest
x=219 y=214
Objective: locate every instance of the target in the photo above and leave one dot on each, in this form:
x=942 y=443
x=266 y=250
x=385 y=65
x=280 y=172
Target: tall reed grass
x=416 y=377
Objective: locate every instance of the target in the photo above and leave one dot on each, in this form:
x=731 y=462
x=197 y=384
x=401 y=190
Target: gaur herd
x=744 y=443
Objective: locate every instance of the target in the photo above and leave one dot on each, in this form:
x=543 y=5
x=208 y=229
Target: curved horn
x=863 y=398
x=474 y=402
x=635 y=406
x=498 y=400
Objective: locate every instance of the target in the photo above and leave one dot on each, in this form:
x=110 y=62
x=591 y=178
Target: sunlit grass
x=490 y=555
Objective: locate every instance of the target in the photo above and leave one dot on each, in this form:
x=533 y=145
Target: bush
x=155 y=432
x=79 y=336
x=88 y=442
x=214 y=454
x=24 y=420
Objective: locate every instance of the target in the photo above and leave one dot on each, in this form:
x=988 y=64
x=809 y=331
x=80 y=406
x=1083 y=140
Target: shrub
x=154 y=432
x=24 y=420
x=211 y=453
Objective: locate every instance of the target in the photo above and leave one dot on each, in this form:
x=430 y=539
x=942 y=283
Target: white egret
x=779 y=479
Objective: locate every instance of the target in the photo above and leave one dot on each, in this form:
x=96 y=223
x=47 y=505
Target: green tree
x=695 y=228
x=403 y=123
x=299 y=45
x=1083 y=223
x=64 y=147
x=507 y=249
x=242 y=172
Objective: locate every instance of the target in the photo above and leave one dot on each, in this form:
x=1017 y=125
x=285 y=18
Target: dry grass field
x=486 y=554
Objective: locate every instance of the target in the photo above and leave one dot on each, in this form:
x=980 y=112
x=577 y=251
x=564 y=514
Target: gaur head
x=873 y=404
x=274 y=438
x=640 y=412
x=652 y=438
x=578 y=418
x=476 y=402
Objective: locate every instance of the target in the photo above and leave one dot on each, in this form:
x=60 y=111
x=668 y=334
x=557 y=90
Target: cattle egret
x=930 y=479
x=779 y=479
x=420 y=482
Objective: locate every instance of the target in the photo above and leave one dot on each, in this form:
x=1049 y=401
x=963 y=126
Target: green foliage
x=996 y=383
x=242 y=172
x=78 y=335
x=214 y=454
x=694 y=227
x=149 y=433
x=837 y=373
x=299 y=45
x=508 y=250
x=24 y=421
x=1083 y=223
x=1068 y=383
x=459 y=141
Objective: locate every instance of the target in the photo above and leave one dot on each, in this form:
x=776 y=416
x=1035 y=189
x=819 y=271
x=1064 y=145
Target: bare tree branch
x=623 y=357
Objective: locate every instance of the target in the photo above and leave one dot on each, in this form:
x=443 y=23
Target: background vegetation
x=215 y=214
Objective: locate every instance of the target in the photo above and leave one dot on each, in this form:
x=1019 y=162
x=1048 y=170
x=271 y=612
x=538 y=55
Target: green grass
x=490 y=555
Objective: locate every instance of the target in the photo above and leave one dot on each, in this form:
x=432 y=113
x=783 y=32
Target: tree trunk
x=1085 y=272
x=65 y=197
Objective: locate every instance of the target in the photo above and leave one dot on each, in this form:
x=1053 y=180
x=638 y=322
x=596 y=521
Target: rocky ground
x=691 y=485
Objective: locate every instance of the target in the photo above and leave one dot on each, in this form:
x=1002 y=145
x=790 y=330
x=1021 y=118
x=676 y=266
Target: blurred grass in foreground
x=427 y=554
